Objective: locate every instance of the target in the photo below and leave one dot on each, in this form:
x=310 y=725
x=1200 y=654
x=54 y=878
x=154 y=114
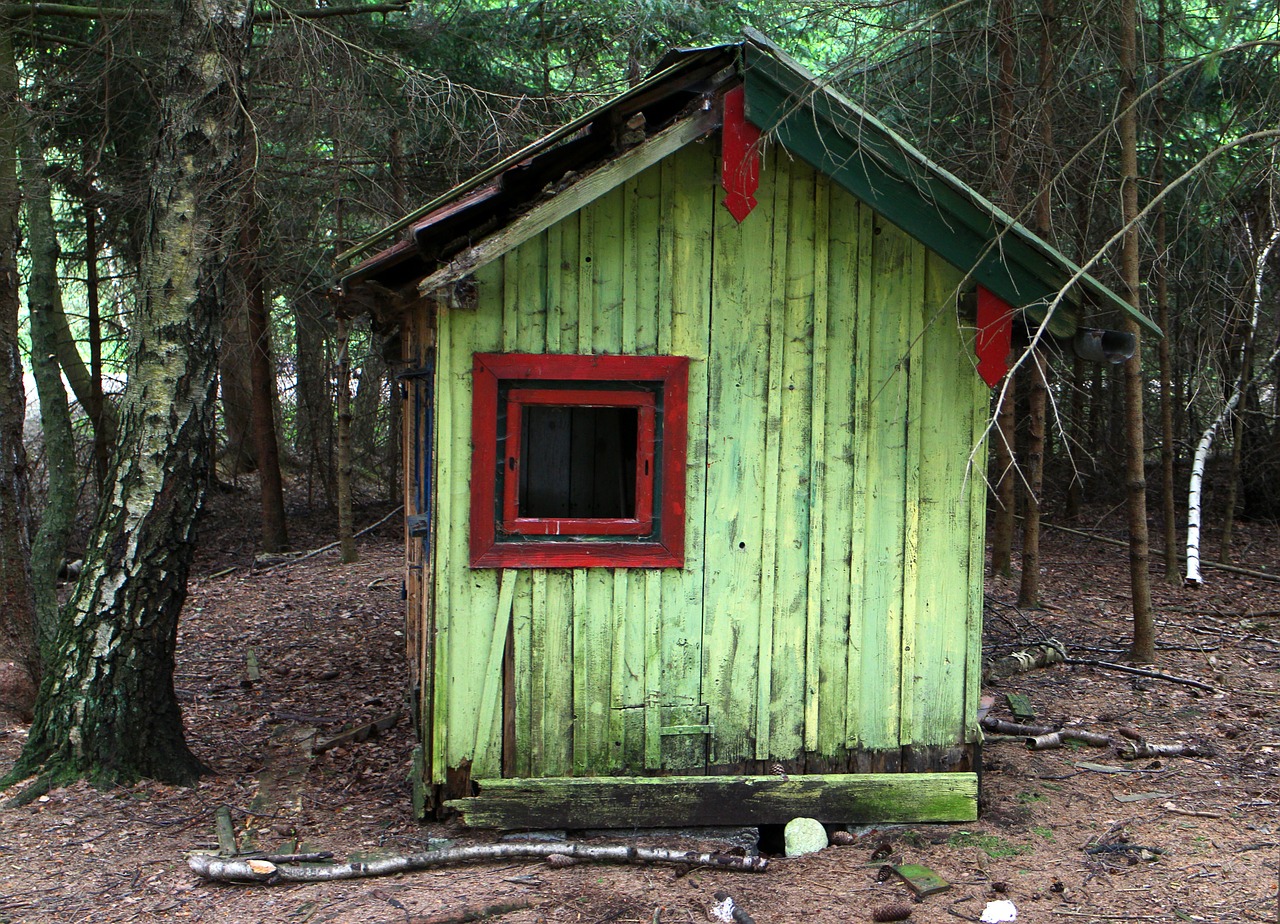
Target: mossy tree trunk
x=44 y=302
x=19 y=665
x=106 y=708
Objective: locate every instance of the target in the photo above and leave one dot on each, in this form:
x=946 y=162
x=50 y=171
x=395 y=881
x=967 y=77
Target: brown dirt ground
x=1200 y=843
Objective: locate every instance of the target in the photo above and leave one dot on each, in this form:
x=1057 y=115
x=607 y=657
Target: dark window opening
x=578 y=462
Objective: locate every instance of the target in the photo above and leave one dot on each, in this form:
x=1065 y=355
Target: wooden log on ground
x=221 y=869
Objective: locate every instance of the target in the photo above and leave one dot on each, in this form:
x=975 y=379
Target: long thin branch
x=230 y=870
x=1140 y=672
x=1216 y=565
x=265 y=17
x=324 y=548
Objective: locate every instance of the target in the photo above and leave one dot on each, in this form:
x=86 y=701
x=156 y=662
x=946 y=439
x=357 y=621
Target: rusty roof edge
x=682 y=59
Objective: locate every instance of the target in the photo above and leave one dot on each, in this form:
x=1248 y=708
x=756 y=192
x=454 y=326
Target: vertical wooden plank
x=608 y=217
x=616 y=720
x=597 y=619
x=936 y=685
x=539 y=643
x=510 y=300
x=464 y=637
x=914 y=371
x=787 y=693
x=570 y=283
x=975 y=474
x=632 y=247
x=691 y=200
x=518 y=702
x=882 y=602
x=818 y=461
x=586 y=278
x=772 y=458
x=581 y=694
x=856 y=734
x=841 y=462
x=647 y=222
x=737 y=399
x=530 y=335
x=555 y=282
x=652 y=670
x=560 y=674
x=670 y=177
x=442 y=552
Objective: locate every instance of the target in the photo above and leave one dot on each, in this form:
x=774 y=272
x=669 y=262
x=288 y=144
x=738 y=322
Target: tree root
x=219 y=869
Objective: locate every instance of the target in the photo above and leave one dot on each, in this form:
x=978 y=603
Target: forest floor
x=1067 y=835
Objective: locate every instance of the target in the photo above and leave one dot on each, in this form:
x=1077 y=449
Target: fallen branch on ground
x=1215 y=565
x=1050 y=651
x=1136 y=750
x=360 y=733
x=1063 y=735
x=1139 y=672
x=1128 y=744
x=220 y=869
x=303 y=556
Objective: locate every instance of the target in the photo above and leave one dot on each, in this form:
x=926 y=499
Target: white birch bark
x=1194 y=577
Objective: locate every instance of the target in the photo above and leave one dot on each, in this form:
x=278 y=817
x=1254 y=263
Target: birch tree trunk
x=1194 y=502
x=1144 y=644
x=106 y=708
x=19 y=664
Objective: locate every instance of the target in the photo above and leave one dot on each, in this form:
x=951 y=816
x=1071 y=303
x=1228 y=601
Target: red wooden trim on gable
x=995 y=336
x=739 y=156
x=664 y=550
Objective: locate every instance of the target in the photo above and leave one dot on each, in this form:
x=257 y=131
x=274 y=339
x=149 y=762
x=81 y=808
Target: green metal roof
x=877 y=165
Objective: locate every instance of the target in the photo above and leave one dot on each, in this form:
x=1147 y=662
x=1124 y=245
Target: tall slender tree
x=1144 y=644
x=19 y=664
x=106 y=707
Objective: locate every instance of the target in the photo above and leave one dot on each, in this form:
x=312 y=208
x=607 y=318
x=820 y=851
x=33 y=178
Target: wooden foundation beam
x=653 y=802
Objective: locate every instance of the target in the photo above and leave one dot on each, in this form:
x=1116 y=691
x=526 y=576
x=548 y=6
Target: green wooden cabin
x=694 y=531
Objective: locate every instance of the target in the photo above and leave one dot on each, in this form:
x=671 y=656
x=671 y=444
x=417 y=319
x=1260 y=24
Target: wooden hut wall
x=828 y=611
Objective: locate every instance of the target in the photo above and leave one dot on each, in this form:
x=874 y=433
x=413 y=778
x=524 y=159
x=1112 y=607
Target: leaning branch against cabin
x=219 y=869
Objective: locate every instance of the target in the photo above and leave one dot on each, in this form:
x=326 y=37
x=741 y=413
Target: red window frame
x=510 y=382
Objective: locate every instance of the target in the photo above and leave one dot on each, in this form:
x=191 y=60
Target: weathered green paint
x=648 y=801
x=833 y=406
